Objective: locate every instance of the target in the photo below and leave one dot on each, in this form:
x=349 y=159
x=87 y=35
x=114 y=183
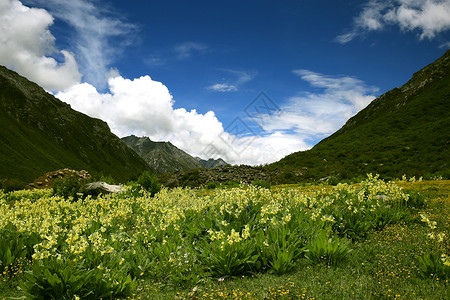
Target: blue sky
x=248 y=81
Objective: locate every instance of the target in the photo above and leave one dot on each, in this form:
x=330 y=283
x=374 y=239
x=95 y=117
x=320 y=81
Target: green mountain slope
x=162 y=156
x=39 y=133
x=404 y=131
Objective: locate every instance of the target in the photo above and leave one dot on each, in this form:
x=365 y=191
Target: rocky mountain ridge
x=212 y=163
x=164 y=157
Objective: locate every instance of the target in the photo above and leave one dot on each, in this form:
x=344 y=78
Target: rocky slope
x=201 y=177
x=162 y=156
x=212 y=163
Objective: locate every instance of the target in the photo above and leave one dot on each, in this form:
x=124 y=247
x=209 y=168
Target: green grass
x=383 y=266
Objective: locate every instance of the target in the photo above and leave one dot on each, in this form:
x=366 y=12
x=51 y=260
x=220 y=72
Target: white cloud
x=346 y=37
x=445 y=45
x=140 y=106
x=241 y=77
x=187 y=49
x=313 y=116
x=429 y=17
x=344 y=88
x=154 y=61
x=98 y=37
x=27 y=46
x=145 y=107
x=223 y=87
x=371 y=18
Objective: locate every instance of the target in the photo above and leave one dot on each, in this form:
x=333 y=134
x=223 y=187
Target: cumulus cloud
x=145 y=107
x=311 y=116
x=98 y=35
x=28 y=47
x=429 y=17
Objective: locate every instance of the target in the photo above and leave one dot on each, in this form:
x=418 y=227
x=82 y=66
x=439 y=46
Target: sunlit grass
x=161 y=241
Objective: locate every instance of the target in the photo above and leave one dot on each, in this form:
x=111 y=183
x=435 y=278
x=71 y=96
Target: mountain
x=404 y=131
x=162 y=156
x=212 y=163
x=39 y=134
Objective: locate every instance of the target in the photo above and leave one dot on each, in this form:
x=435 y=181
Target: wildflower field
x=370 y=240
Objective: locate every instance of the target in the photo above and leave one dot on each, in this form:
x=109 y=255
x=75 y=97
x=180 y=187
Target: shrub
x=353 y=225
x=416 y=199
x=261 y=183
x=66 y=279
x=228 y=259
x=330 y=251
x=9 y=185
x=149 y=183
x=432 y=264
x=279 y=248
x=12 y=249
x=211 y=185
x=230 y=184
x=333 y=180
x=68 y=187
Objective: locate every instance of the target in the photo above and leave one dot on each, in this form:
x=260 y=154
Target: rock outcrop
x=200 y=177
x=100 y=187
x=47 y=180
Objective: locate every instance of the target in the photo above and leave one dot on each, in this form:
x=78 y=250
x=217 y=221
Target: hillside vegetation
x=405 y=130
x=39 y=134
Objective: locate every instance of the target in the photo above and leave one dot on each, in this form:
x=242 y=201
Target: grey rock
x=102 y=187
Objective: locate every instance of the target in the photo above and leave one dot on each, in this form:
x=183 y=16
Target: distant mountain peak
x=163 y=156
x=212 y=163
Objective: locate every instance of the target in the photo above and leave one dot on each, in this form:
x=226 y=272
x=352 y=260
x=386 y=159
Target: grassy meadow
x=369 y=240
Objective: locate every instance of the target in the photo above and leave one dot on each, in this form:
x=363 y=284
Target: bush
x=333 y=180
x=432 y=265
x=416 y=199
x=66 y=279
x=230 y=184
x=68 y=187
x=12 y=248
x=9 y=185
x=149 y=183
x=211 y=185
x=330 y=251
x=261 y=183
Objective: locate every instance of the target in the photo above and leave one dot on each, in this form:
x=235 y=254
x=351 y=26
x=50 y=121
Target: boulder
x=100 y=187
